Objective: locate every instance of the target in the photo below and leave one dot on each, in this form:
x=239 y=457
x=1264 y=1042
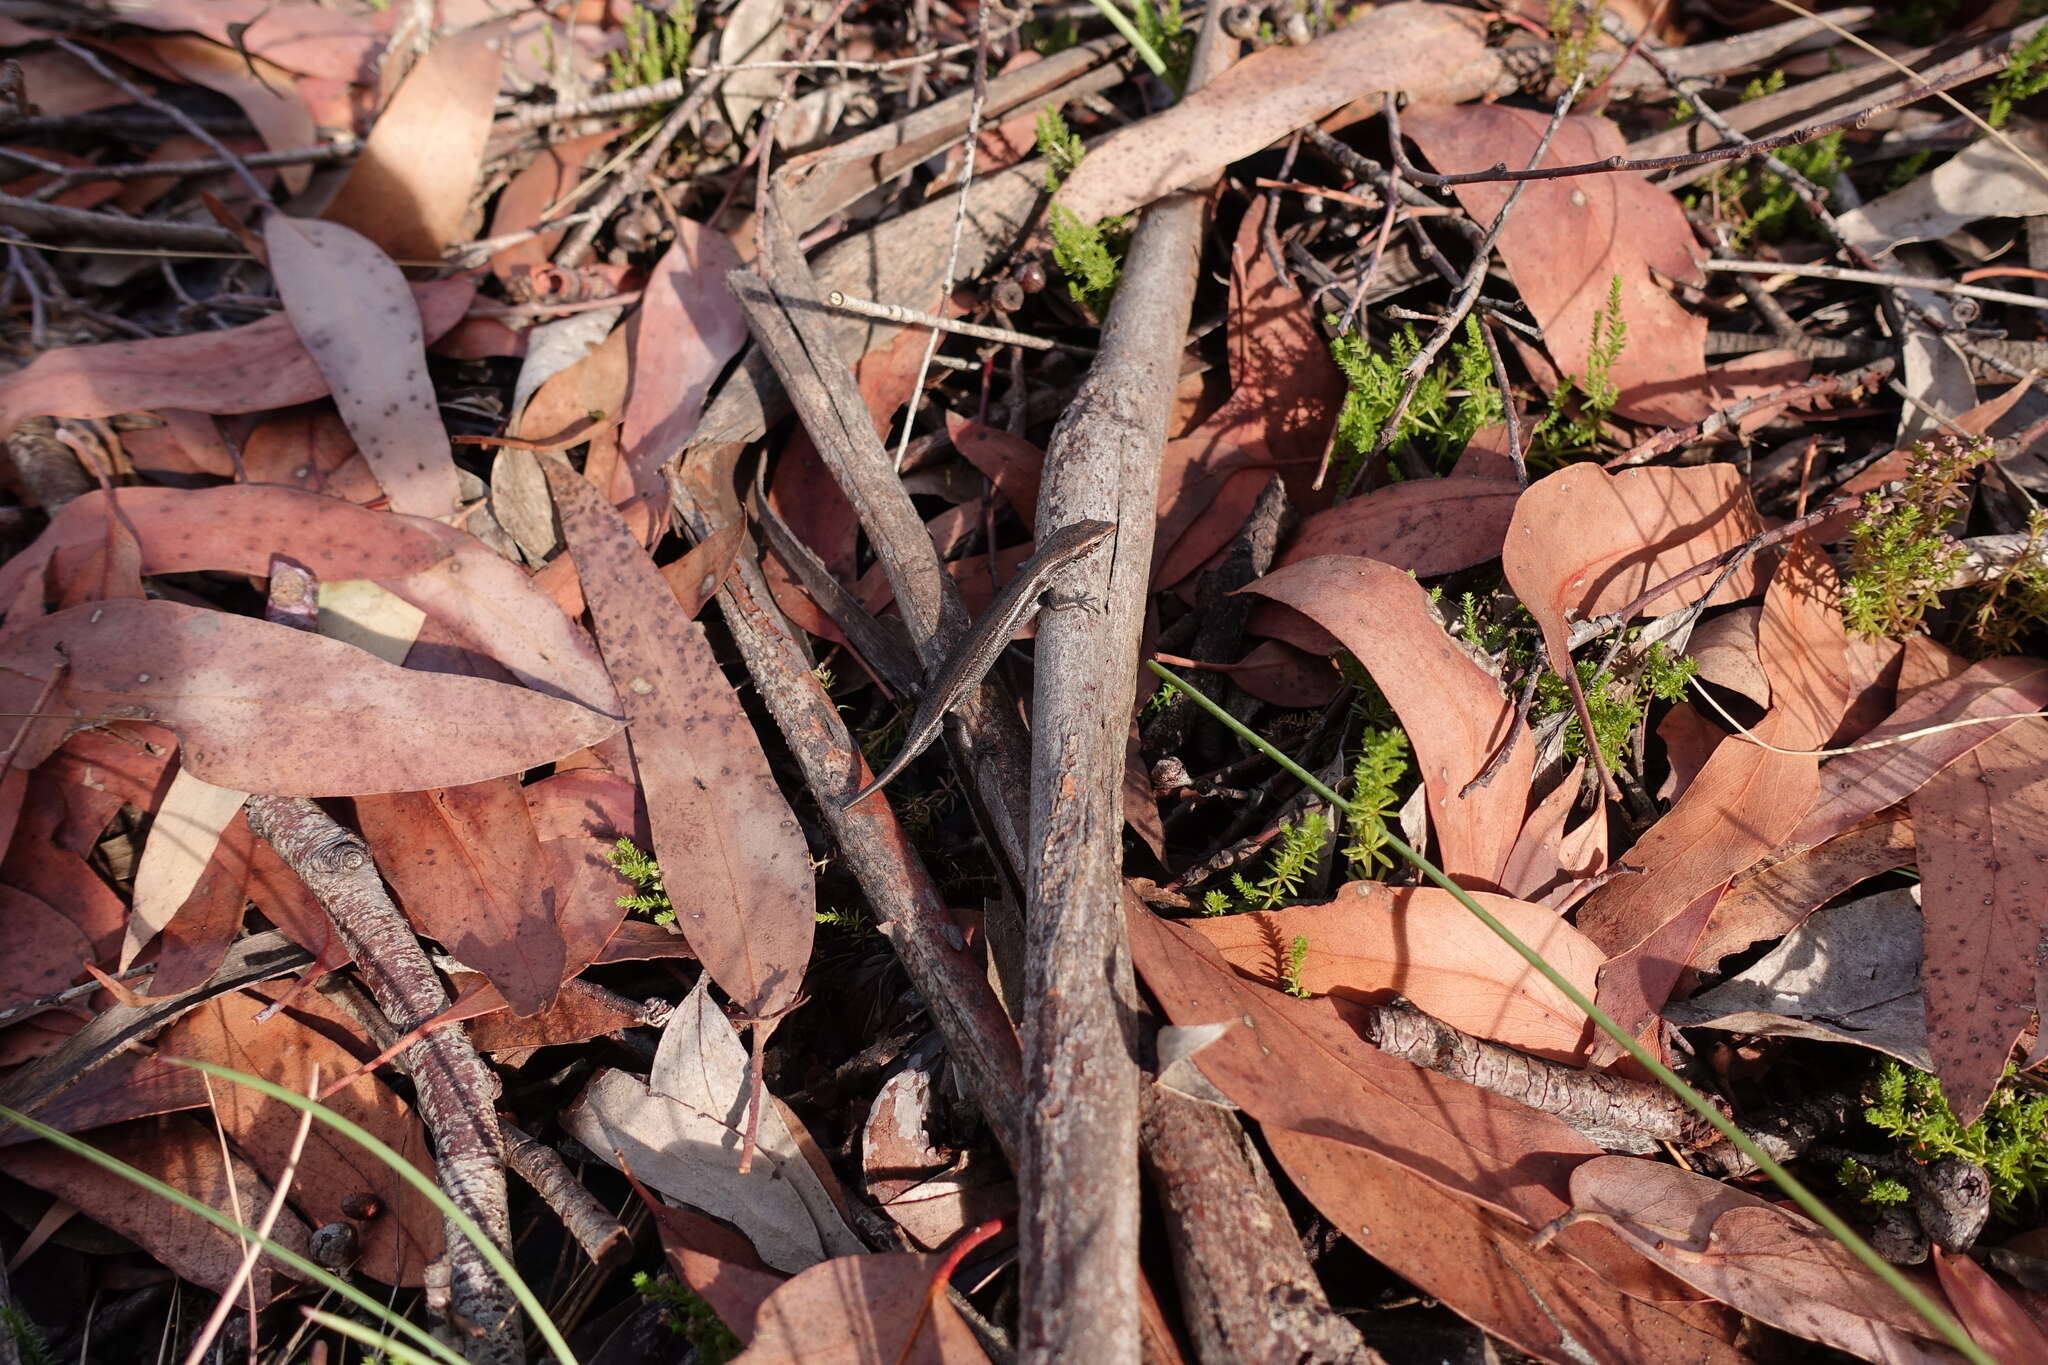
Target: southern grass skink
x=986 y=640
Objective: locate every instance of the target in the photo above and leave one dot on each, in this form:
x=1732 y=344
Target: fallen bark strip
x=1250 y=1291
x=455 y=1091
x=604 y=1238
x=1078 y=1231
x=785 y=316
x=979 y=1037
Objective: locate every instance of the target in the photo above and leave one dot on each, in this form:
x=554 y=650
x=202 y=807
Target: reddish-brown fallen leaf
x=1803 y=646
x=1925 y=662
x=1726 y=651
x=265 y=708
x=1285 y=394
x=1766 y=1261
x=310 y=449
x=1481 y=1266
x=478 y=602
x=636 y=940
x=1996 y=1322
x=688 y=326
x=482 y=606
x=304 y=38
x=137 y=1084
x=1856 y=786
x=1374 y=942
x=263 y=91
x=1431 y=51
x=1874 y=668
x=347 y=303
x=410 y=187
x=186 y=1155
x=243 y=369
x=286 y=901
x=862 y=1308
x=1454 y=712
x=545 y=181
x=580 y=816
x=810 y=502
x=1013 y=464
x=1567 y=240
x=1282 y=675
x=65 y=85
x=55 y=875
x=196 y=940
x=1982 y=826
x=1298 y=1064
x=1689 y=741
x=41 y=951
x=113 y=568
x=722 y=830
x=1770 y=902
x=1741 y=806
x=579 y=1013
x=117 y=765
x=405 y=1235
x=594 y=383
x=1539 y=866
x=713 y=1261
x=183 y=835
x=1584 y=542
x=702 y=571
x=469 y=872
x=1214 y=502
x=932 y=1189
x=1426 y=526
x=186 y=447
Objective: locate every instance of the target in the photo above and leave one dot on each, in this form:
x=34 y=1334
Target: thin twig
x=1739 y=151
x=38 y=318
x=485 y=247
x=968 y=149
x=911 y=317
x=1523 y=703
x=1370 y=271
x=2013 y=39
x=67 y=176
x=29 y=215
x=1468 y=290
x=1507 y=403
x=1722 y=418
x=1890 y=281
x=577 y=249
x=257 y=194
x=1744 y=733
x=660 y=92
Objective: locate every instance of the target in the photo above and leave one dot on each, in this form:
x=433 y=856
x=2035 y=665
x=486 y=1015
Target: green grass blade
x=419 y=1180
x=1951 y=1331
x=1121 y=22
x=283 y=1254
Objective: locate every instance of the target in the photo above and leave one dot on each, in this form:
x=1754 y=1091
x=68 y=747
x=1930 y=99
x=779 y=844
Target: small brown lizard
x=988 y=638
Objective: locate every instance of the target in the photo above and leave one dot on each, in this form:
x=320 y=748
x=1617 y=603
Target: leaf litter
x=1585 y=628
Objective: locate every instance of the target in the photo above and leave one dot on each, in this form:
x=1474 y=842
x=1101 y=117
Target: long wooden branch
x=1078 y=1236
